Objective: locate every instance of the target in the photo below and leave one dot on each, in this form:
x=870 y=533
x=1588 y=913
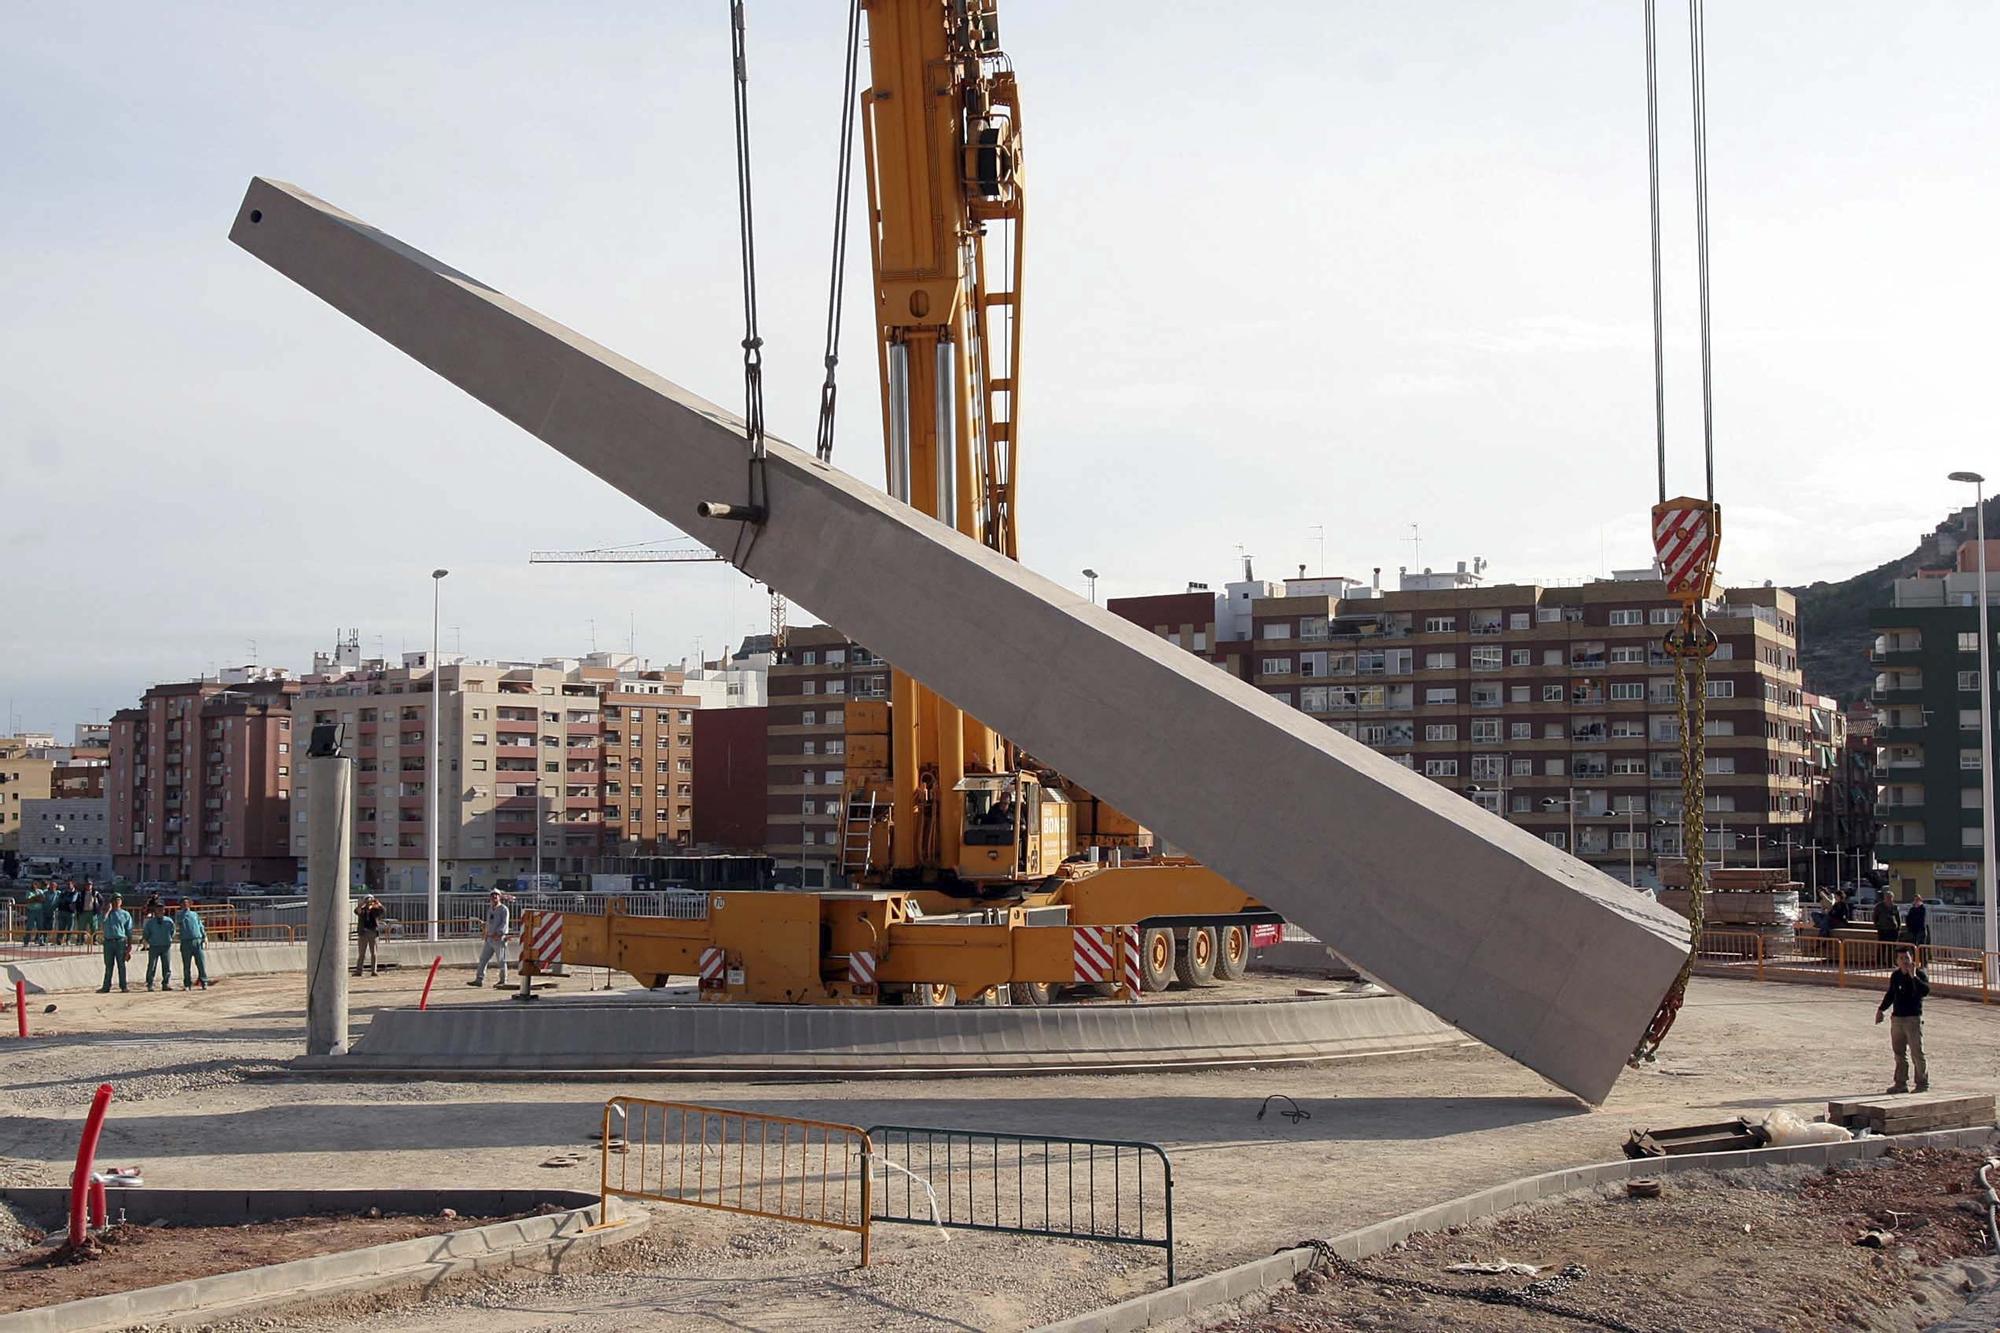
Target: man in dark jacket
x=1916 y=922
x=1888 y=921
x=1904 y=1001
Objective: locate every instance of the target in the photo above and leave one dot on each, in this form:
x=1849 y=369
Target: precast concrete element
x=328 y=863
x=81 y=972
x=565 y=1035
x=1524 y=947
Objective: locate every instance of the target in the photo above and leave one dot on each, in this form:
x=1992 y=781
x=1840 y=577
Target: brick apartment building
x=199 y=783
x=810 y=683
x=731 y=778
x=1552 y=705
x=606 y=741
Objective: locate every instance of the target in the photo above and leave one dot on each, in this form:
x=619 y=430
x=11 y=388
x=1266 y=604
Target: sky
x=1293 y=269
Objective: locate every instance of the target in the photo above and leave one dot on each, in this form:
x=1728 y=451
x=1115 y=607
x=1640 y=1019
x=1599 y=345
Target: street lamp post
x=1551 y=802
x=1987 y=887
x=435 y=778
x=1757 y=840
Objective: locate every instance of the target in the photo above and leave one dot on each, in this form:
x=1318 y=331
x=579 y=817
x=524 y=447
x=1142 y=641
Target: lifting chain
x=1691 y=644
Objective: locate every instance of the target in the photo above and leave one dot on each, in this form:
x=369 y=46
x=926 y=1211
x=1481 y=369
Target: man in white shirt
x=493 y=945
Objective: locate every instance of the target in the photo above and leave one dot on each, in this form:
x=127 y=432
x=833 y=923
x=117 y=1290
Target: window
x=1629 y=690
x=1969 y=759
x=1488 y=801
x=1629 y=655
x=1552 y=657
x=1719 y=763
x=1485 y=728
x=1552 y=694
x=1312 y=627
x=1722 y=689
x=1440 y=768
x=1628 y=729
x=1441 y=695
x=1486 y=767
x=1440 y=624
x=1312 y=664
x=1520 y=657
x=836 y=687
x=1632 y=767
x=1517 y=620
x=809 y=687
x=1520 y=694
x=1556 y=839
x=1633 y=841
x=1968 y=681
x=809 y=718
x=1486 y=695
x=835 y=716
x=1520 y=731
x=1441 y=731
x=1662 y=615
x=1968 y=641
x=811 y=747
x=1553 y=767
x=1275 y=666
x=1486 y=659
x=285 y=747
x=1628 y=617
x=478 y=766
x=836 y=747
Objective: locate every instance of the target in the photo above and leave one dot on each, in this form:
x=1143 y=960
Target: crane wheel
x=1156 y=959
x=937 y=995
x=1232 y=955
x=1195 y=966
x=1034 y=993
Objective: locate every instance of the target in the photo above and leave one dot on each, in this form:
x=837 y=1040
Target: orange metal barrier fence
x=1969 y=974
x=813 y=1172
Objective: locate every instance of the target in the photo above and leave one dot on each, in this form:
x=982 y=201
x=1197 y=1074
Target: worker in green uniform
x=117 y=937
x=34 y=909
x=193 y=936
x=158 y=928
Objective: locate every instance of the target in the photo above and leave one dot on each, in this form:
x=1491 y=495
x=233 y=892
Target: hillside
x=1834 y=636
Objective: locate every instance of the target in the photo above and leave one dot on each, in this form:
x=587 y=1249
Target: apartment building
x=1552 y=706
x=815 y=675
x=26 y=774
x=1929 y=831
x=199 y=784
x=70 y=833
x=589 y=757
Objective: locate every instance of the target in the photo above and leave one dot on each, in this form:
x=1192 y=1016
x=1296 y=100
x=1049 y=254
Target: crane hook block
x=1686 y=533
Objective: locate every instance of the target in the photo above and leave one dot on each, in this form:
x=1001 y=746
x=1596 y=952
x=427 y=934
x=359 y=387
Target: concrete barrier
x=561 y=1035
x=550 y=1240
x=86 y=971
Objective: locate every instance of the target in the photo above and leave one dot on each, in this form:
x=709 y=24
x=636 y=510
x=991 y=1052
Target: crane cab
x=1015 y=828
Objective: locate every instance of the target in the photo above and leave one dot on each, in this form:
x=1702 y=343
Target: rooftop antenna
x=1416 y=541
x=457 y=641
x=593 y=634
x=1242 y=551
x=1319 y=531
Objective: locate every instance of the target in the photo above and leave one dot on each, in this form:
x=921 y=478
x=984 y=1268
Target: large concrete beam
x=1534 y=953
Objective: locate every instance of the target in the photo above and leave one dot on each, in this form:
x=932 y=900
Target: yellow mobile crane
x=981 y=874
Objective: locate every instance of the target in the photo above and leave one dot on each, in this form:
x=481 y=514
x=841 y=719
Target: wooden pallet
x=1913 y=1113
x=1723 y=1136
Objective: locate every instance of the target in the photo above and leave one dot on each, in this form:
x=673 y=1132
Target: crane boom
x=941 y=134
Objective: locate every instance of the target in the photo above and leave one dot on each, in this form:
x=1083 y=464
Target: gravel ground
x=1765 y=1249
x=1386 y=1135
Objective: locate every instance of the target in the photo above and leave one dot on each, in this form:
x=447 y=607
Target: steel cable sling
x=1686 y=531
x=752 y=515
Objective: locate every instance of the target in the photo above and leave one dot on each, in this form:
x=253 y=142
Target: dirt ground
x=1717 y=1252
x=202 y=1100
x=145 y=1256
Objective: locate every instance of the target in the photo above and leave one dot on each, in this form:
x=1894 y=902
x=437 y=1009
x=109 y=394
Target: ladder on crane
x=860 y=814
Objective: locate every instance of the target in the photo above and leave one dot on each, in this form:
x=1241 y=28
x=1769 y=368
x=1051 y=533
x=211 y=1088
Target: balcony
x=1898 y=684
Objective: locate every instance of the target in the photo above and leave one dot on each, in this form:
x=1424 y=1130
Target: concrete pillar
x=328 y=839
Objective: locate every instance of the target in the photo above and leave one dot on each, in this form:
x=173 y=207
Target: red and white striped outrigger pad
x=861 y=968
x=1106 y=954
x=1686 y=535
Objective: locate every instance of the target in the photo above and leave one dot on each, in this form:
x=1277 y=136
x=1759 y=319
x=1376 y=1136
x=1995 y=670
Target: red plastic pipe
x=100 y=1210
x=86 y=1160
x=21 y=1007
x=423 y=1003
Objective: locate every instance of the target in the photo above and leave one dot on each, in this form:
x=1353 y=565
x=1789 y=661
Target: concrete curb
x=424 y=1260
x=1233 y=1284
x=86 y=972
x=712 y=1039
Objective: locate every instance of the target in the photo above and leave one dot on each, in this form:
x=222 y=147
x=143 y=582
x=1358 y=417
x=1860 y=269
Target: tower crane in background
x=658 y=553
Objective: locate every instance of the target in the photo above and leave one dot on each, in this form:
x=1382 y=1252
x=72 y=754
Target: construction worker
x=65 y=912
x=117 y=937
x=1904 y=1000
x=494 y=940
x=90 y=908
x=35 y=902
x=158 y=930
x=193 y=936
